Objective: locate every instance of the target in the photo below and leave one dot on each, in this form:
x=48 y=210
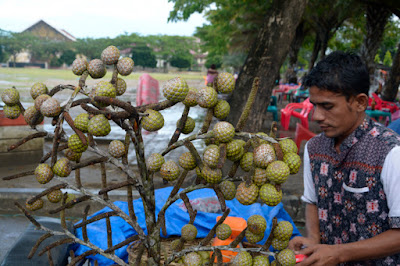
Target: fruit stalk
x=249 y=104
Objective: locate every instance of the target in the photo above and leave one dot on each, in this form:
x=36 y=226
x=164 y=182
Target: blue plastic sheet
x=176 y=216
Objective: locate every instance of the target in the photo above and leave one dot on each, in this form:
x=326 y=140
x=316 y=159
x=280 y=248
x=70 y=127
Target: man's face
x=337 y=117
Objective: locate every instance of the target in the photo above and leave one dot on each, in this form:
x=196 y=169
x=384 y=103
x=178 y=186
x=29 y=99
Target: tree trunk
x=392 y=85
x=377 y=17
x=315 y=52
x=264 y=60
x=296 y=44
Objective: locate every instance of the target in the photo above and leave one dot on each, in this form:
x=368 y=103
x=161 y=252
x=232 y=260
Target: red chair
x=383 y=105
x=291 y=110
x=302 y=133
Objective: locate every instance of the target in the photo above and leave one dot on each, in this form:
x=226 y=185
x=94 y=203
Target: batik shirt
x=356 y=191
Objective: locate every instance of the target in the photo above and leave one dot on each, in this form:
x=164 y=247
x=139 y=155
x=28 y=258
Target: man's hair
x=340 y=72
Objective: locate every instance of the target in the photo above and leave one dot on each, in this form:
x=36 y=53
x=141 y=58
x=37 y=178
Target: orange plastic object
x=20 y=121
x=302 y=133
x=227 y=255
x=237 y=225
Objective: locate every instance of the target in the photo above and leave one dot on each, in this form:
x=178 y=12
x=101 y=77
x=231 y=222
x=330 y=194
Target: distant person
x=211 y=74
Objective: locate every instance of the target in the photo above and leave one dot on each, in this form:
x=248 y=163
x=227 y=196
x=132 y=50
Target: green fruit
x=72 y=156
x=228 y=189
x=99 y=126
x=62 y=167
x=207 y=97
x=125 y=66
x=269 y=195
x=50 y=108
x=223 y=231
x=243 y=258
x=81 y=122
x=105 y=89
x=283 y=230
x=191 y=98
x=32 y=116
x=212 y=176
x=120 y=86
x=189 y=125
x=38 y=89
x=55 y=196
x=246 y=195
x=170 y=171
x=278 y=172
x=96 y=69
x=223 y=132
x=260 y=176
x=43 y=173
x=10 y=96
x=192 y=259
x=225 y=83
x=253 y=238
x=205 y=257
x=286 y=257
x=256 y=224
x=187 y=161
x=76 y=145
x=261 y=261
x=263 y=155
x=177 y=245
x=12 y=111
x=110 y=55
x=293 y=160
x=211 y=156
x=176 y=89
x=234 y=150
x=189 y=232
x=40 y=100
x=154 y=121
x=288 y=145
x=279 y=244
x=247 y=161
x=79 y=66
x=70 y=198
x=155 y=161
x=116 y=149
x=222 y=109
x=38 y=204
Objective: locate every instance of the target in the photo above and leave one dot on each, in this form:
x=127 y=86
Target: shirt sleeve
x=390 y=177
x=309 y=195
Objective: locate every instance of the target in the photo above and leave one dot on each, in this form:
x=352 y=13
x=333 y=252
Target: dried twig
x=26 y=139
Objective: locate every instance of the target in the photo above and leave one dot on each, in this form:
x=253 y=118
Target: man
x=351 y=173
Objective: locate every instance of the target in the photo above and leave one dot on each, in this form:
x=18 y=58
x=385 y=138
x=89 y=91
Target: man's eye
x=327 y=107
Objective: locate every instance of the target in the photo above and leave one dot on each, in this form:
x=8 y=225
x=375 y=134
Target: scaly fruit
x=253 y=238
x=12 y=111
x=256 y=224
x=261 y=261
x=187 y=161
x=225 y=83
x=43 y=173
x=62 y=167
x=247 y=161
x=176 y=89
x=106 y=89
x=10 y=96
x=223 y=132
x=286 y=257
x=96 y=69
x=212 y=176
x=79 y=66
x=191 y=98
x=198 y=173
x=192 y=259
x=70 y=198
x=155 y=161
x=99 y=126
x=269 y=195
x=40 y=100
x=55 y=196
x=154 y=121
x=246 y=195
x=283 y=230
x=32 y=116
x=110 y=55
x=228 y=189
x=263 y=155
x=278 y=172
x=81 y=122
x=125 y=66
x=189 y=232
x=76 y=145
x=50 y=108
x=279 y=244
x=38 y=204
x=234 y=150
x=207 y=97
x=72 y=156
x=223 y=231
x=222 y=109
x=170 y=171
x=260 y=176
x=177 y=245
x=189 y=125
x=205 y=257
x=288 y=145
x=211 y=155
x=38 y=89
x=243 y=258
x=293 y=160
x=120 y=86
x=116 y=149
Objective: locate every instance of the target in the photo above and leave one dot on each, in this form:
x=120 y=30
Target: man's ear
x=361 y=101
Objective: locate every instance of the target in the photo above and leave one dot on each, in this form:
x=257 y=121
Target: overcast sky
x=96 y=18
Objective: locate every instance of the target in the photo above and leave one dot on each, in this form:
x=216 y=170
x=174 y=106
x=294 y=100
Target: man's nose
x=318 y=114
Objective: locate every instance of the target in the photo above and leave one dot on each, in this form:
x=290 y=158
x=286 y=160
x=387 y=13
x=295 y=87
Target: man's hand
x=323 y=255
x=299 y=242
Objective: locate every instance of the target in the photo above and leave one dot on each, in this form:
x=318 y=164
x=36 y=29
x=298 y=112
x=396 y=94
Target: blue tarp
x=176 y=216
